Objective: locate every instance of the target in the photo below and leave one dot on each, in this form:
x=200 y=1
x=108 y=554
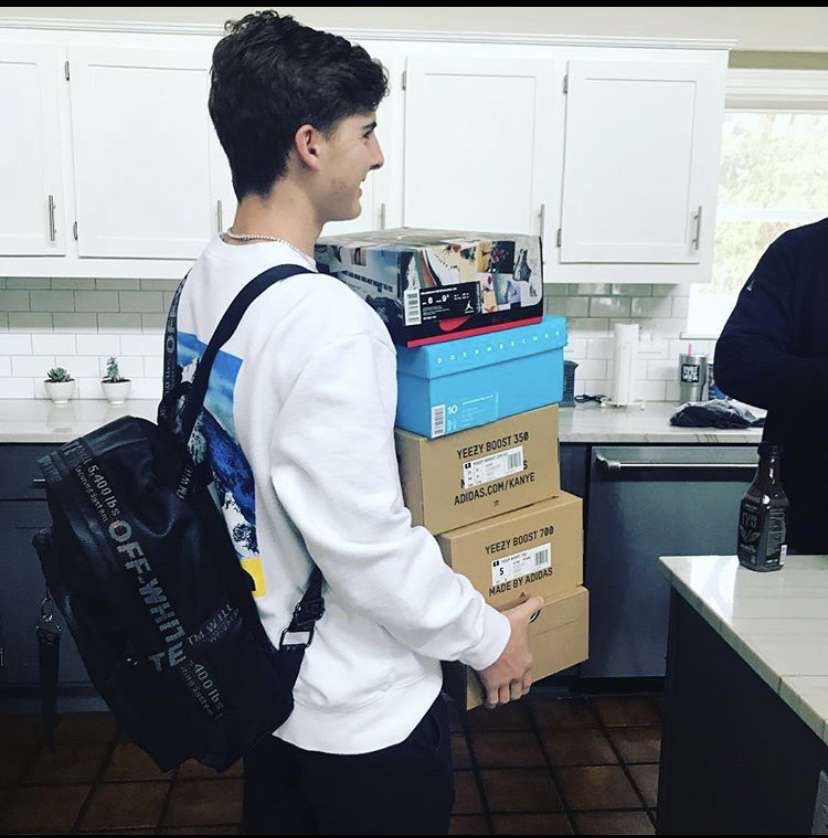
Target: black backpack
x=140 y=563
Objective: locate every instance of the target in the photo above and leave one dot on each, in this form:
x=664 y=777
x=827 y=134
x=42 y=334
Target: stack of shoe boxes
x=480 y=373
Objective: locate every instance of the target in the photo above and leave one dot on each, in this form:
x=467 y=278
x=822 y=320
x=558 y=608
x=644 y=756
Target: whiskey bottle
x=761 y=542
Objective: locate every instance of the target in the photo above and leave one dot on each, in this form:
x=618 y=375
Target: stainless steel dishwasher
x=645 y=502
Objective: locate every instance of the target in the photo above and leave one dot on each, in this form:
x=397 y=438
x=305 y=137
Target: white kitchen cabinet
x=481 y=144
x=147 y=173
x=483 y=135
x=31 y=182
x=641 y=160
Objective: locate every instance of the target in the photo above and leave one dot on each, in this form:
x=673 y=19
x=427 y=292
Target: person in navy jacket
x=773 y=353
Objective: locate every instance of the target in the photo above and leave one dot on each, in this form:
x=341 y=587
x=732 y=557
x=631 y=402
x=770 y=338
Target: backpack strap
x=224 y=331
x=299 y=633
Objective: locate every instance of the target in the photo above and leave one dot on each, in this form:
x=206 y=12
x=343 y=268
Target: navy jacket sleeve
x=756 y=359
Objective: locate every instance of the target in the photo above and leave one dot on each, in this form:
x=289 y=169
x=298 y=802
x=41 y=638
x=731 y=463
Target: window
x=773 y=176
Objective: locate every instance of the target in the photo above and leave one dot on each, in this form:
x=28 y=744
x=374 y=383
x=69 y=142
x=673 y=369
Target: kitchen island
x=745 y=736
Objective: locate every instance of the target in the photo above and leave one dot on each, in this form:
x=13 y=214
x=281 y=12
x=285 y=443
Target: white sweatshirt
x=299 y=430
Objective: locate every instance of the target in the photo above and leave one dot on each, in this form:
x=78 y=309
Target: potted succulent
x=60 y=386
x=116 y=388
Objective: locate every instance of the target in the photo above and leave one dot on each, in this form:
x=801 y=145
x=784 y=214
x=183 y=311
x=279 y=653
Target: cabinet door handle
x=52 y=231
x=219 y=219
x=39 y=483
x=618 y=465
x=382 y=216
x=541 y=218
x=697 y=237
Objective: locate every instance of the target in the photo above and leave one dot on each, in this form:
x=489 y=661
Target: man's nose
x=380 y=158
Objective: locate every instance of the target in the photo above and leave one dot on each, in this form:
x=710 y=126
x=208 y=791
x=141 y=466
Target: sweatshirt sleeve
x=334 y=467
x=754 y=359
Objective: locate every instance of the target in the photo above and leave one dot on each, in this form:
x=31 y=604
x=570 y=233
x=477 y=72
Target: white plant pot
x=60 y=391
x=116 y=392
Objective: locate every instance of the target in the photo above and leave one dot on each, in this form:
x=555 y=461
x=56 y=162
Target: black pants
x=407 y=789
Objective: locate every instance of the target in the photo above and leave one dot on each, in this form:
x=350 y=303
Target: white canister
x=625 y=353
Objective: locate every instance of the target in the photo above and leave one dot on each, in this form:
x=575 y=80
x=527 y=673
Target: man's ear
x=307 y=142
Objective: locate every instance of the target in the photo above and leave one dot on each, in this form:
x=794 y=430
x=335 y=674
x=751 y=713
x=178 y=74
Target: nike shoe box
x=431 y=286
x=449 y=387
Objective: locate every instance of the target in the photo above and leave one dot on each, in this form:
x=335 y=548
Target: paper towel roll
x=624 y=356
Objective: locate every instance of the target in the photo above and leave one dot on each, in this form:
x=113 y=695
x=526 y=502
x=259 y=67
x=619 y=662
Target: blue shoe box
x=448 y=387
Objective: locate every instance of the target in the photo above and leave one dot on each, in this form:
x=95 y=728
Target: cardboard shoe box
x=463 y=478
x=538 y=549
x=558 y=639
x=449 y=387
x=435 y=285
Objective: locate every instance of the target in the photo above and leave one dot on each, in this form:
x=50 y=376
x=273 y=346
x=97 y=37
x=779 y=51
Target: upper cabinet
x=147 y=184
x=111 y=166
x=640 y=168
x=32 y=194
x=481 y=144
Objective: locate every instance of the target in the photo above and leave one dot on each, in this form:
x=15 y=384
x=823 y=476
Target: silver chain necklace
x=246 y=237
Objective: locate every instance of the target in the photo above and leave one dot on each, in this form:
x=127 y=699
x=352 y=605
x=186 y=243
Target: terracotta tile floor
x=548 y=765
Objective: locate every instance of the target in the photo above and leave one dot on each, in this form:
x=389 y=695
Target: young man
x=298 y=428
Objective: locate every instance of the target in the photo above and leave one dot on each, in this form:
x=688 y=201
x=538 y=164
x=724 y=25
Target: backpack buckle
x=299 y=634
x=295 y=640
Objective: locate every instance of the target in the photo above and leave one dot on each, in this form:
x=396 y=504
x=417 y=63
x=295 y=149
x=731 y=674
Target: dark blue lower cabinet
x=22 y=588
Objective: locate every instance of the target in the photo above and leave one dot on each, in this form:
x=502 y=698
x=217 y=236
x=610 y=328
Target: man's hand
x=510 y=676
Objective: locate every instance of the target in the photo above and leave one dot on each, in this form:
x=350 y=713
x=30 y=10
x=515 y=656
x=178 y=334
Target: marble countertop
x=38 y=420
x=777 y=622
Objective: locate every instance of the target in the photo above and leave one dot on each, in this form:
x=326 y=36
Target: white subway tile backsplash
x=600 y=348
x=30 y=282
x=609 y=307
x=75 y=322
x=650 y=391
x=590 y=326
x=651 y=307
x=17 y=388
x=25 y=321
x=681 y=306
x=118 y=284
x=74 y=283
x=53 y=344
x=166 y=284
x=87 y=366
x=52 y=301
x=96 y=301
x=34 y=366
x=661 y=370
x=632 y=290
x=129 y=367
x=153 y=322
x=146 y=388
x=79 y=323
x=11 y=344
x=153 y=366
x=99 y=344
x=141 y=345
x=117 y=323
x=141 y=301
x=14 y=300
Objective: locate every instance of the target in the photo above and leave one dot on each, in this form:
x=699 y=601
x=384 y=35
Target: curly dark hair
x=271 y=75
